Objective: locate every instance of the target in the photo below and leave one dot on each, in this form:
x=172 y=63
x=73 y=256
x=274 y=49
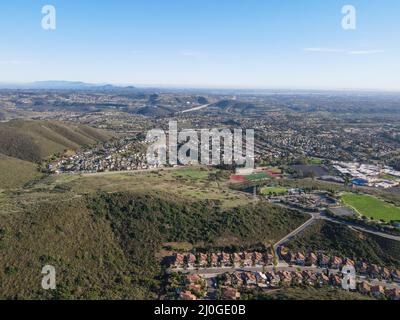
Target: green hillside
x=307 y=293
x=106 y=234
x=34 y=140
x=340 y=240
x=106 y=245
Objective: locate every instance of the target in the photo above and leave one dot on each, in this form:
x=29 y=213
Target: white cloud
x=350 y=52
x=365 y=52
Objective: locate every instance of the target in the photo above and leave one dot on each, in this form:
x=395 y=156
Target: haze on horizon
x=256 y=44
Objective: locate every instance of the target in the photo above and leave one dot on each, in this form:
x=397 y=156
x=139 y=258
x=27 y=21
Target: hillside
x=307 y=293
x=232 y=106
x=106 y=245
x=342 y=241
x=34 y=140
x=106 y=233
x=15 y=173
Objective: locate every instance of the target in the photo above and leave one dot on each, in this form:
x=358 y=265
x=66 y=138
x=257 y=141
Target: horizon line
x=201 y=87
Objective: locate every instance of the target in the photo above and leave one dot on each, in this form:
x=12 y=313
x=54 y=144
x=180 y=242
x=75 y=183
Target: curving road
x=321 y=216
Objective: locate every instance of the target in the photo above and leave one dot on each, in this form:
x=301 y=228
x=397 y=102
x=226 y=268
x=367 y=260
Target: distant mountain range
x=64 y=85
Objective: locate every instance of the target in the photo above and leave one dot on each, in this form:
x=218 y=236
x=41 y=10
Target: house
x=178 y=260
x=193 y=278
x=393 y=294
x=237 y=279
x=258 y=259
x=362 y=268
x=191 y=260
x=396 y=276
x=228 y=293
x=247 y=259
x=225 y=259
x=336 y=262
x=309 y=277
x=300 y=259
x=285 y=276
x=374 y=271
x=335 y=280
x=237 y=259
x=323 y=261
x=214 y=260
x=187 y=295
x=323 y=279
x=297 y=278
x=226 y=279
x=202 y=259
x=195 y=289
x=349 y=262
x=261 y=279
x=273 y=279
x=268 y=258
x=364 y=288
x=249 y=278
x=385 y=273
x=312 y=259
x=377 y=291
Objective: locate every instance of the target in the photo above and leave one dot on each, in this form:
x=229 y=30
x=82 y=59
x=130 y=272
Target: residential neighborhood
x=229 y=273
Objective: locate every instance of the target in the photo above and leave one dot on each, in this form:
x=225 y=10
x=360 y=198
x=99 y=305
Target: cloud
x=349 y=52
x=365 y=52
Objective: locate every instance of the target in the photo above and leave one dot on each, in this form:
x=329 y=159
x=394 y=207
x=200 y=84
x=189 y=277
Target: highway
x=196 y=108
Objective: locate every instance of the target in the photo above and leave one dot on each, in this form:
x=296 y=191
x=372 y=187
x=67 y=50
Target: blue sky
x=204 y=43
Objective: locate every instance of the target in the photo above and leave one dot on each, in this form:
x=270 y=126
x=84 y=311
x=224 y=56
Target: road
x=88 y=174
x=360 y=228
x=322 y=216
x=197 y=108
x=294 y=233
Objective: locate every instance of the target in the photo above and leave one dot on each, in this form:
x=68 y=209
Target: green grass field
x=371 y=207
x=273 y=190
x=315 y=161
x=389 y=177
x=257 y=176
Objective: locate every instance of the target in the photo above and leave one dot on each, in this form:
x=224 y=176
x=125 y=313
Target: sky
x=269 y=44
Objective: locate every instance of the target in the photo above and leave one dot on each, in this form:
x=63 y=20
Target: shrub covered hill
x=35 y=140
x=25 y=143
x=336 y=239
x=107 y=245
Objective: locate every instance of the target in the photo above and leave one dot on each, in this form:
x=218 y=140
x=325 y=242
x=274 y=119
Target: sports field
x=371 y=207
